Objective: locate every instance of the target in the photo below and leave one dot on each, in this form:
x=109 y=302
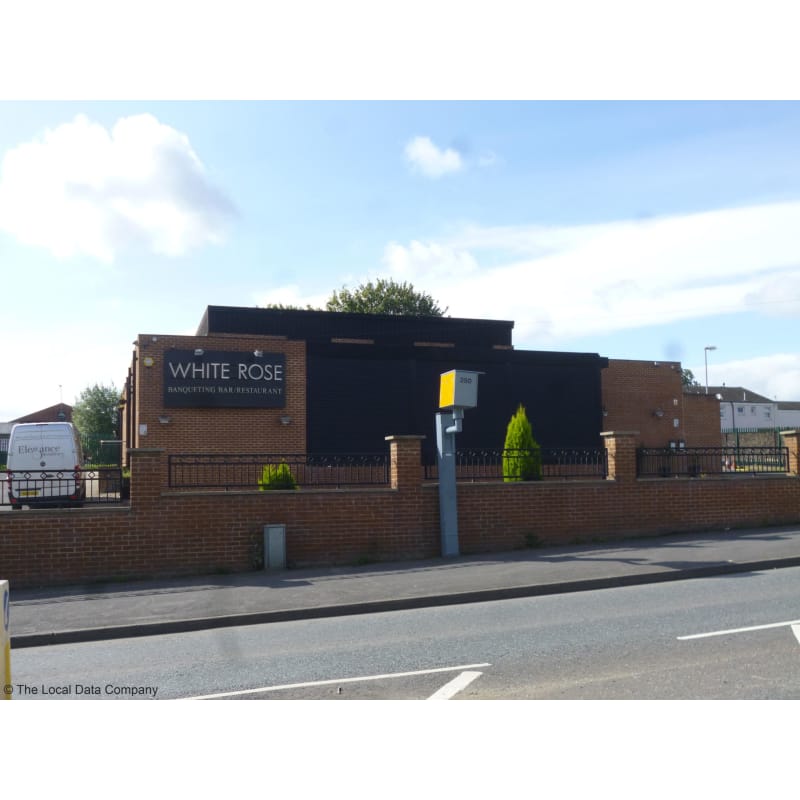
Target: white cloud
x=81 y=189
x=431 y=161
x=424 y=262
x=561 y=283
x=778 y=296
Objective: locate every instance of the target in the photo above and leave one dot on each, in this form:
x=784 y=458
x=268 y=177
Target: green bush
x=522 y=456
x=276 y=476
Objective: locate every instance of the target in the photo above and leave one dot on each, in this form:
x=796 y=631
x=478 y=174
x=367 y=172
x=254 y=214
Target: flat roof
x=319 y=326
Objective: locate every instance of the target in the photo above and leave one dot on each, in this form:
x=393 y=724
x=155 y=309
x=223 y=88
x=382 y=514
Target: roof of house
x=50 y=414
x=730 y=394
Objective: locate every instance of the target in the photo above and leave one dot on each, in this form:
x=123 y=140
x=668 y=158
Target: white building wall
x=741 y=415
x=788 y=420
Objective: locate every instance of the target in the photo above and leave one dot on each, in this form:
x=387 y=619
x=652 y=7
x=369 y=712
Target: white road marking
x=741 y=630
x=336 y=681
x=455 y=686
x=796 y=630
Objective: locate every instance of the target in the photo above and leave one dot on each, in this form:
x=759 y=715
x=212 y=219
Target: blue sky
x=640 y=230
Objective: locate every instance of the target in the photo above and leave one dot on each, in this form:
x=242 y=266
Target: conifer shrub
x=522 y=455
x=276 y=476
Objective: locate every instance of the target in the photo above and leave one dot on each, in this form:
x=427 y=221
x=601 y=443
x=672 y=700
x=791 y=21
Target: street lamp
x=706 y=349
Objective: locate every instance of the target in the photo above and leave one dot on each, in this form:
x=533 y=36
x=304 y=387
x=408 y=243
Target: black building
x=370 y=375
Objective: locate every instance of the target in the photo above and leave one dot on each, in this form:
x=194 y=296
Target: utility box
x=458 y=389
x=274 y=547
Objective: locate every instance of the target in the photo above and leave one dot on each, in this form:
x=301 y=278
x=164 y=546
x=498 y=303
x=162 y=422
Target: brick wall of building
x=168 y=532
x=648 y=396
x=702 y=421
x=215 y=430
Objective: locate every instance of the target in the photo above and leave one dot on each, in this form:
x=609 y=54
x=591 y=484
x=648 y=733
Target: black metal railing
x=101 y=449
x=272 y=470
x=548 y=463
x=60 y=488
x=695 y=462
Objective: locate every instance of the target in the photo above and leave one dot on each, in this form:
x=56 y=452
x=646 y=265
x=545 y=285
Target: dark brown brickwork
x=167 y=532
x=647 y=396
x=215 y=430
x=703 y=421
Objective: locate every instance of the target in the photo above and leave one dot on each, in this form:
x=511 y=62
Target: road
x=731 y=637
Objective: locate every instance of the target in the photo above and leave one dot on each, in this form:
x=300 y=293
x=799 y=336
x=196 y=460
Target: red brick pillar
x=148 y=474
x=791 y=439
x=405 y=461
x=621 y=447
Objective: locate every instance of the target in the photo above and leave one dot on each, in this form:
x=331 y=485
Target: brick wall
x=502 y=516
x=648 y=396
x=645 y=396
x=207 y=430
x=702 y=423
x=168 y=532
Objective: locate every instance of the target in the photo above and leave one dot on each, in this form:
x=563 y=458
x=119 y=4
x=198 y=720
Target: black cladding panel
x=358 y=395
x=354 y=403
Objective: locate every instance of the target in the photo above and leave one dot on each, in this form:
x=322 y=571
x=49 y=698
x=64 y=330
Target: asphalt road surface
x=730 y=637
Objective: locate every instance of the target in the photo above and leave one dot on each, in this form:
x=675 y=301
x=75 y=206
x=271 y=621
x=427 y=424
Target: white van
x=44 y=465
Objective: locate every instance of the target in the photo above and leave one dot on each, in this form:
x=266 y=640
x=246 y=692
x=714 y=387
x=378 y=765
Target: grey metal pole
x=705 y=353
x=446 y=462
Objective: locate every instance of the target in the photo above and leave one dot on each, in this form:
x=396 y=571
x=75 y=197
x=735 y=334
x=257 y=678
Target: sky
x=636 y=229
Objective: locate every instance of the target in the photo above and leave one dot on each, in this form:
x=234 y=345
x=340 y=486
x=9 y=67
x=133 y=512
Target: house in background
x=741 y=409
x=60 y=412
x=749 y=419
x=788 y=416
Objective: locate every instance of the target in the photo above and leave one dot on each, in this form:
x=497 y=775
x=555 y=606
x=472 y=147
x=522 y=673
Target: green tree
x=284 y=307
x=96 y=412
x=385 y=297
x=687 y=378
x=522 y=456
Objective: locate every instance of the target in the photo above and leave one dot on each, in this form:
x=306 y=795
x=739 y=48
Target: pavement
x=99 y=611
